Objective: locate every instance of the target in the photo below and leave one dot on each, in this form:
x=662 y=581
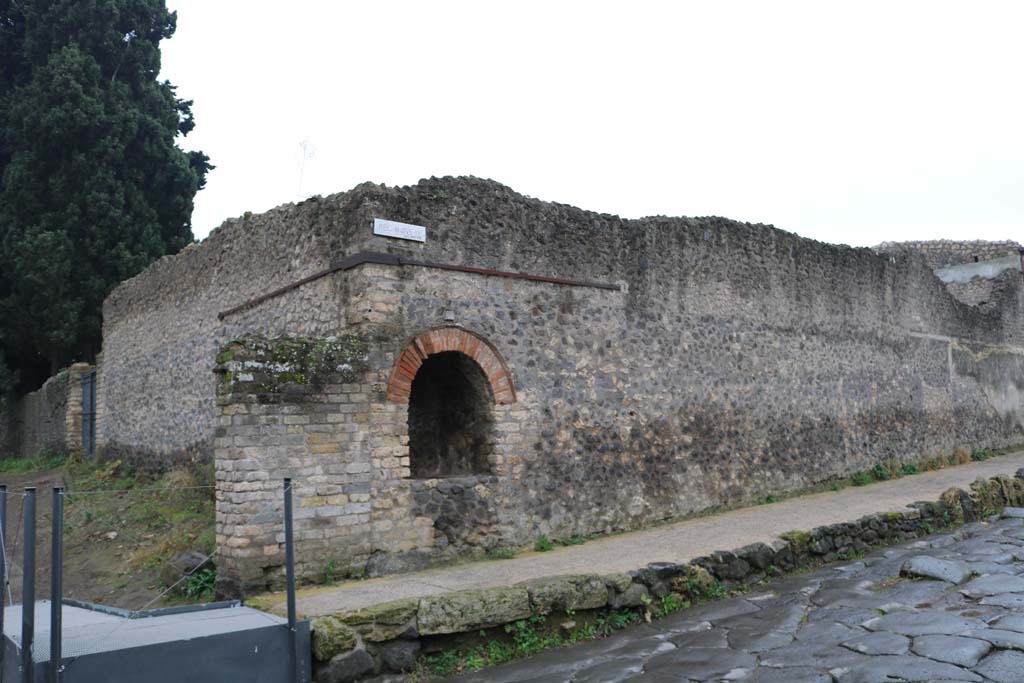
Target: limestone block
x=383 y=622
x=561 y=593
x=469 y=610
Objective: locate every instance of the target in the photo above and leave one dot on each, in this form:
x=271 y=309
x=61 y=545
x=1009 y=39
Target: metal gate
x=89 y=413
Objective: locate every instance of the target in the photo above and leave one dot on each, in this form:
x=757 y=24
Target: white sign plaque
x=403 y=231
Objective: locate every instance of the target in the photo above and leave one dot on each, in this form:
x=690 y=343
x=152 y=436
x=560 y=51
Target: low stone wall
x=390 y=637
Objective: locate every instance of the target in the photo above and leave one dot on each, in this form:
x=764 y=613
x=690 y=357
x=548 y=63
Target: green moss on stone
x=800 y=540
x=385 y=621
x=331 y=637
x=273 y=363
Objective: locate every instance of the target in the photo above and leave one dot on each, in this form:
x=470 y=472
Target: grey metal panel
x=255 y=656
x=229 y=643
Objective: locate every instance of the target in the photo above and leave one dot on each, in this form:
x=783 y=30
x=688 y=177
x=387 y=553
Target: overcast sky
x=852 y=122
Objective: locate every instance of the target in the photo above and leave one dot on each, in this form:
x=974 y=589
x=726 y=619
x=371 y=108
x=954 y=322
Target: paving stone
x=712 y=611
x=850 y=616
x=789 y=675
x=1002 y=667
x=902 y=668
x=700 y=664
x=1013 y=600
x=984 y=612
x=716 y=637
x=943 y=541
x=1009 y=622
x=757 y=640
x=605 y=672
x=803 y=584
x=929 y=567
x=843 y=597
x=819 y=632
x=915 y=593
x=923 y=623
x=951 y=649
x=777 y=617
x=880 y=643
x=895 y=606
x=993 y=584
x=813 y=655
x=1003 y=639
x=643 y=648
x=982 y=568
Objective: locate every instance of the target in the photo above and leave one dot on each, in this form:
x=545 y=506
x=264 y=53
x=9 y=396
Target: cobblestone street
x=946 y=608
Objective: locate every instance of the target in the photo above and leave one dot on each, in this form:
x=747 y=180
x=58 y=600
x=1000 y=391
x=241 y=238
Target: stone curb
x=387 y=638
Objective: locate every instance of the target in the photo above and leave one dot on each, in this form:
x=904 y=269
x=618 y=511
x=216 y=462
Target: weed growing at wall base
x=501 y=554
x=44 y=460
x=535 y=634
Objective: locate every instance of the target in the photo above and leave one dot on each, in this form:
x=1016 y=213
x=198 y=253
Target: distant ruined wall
x=46 y=420
x=733 y=361
x=940 y=253
x=986 y=291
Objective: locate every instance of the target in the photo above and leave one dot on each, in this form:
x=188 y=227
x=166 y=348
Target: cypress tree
x=93 y=186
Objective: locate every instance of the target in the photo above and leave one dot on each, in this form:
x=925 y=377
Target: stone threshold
x=353 y=641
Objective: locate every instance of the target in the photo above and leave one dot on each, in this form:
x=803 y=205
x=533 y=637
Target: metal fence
x=105 y=621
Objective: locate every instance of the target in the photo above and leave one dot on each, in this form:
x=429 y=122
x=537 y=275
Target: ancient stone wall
x=984 y=291
x=720 y=362
x=941 y=253
x=48 y=420
x=37 y=422
x=161 y=329
x=302 y=409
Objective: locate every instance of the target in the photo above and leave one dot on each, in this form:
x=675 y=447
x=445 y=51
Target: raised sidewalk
x=679 y=542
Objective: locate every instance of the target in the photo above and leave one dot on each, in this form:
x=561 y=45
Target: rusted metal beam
x=379 y=258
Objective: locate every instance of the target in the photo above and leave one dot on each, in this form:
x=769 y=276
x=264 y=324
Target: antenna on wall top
x=306 y=152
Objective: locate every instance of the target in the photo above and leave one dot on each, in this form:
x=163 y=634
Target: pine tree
x=93 y=187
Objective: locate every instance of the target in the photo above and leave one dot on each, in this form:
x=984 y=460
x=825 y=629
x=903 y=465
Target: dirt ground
x=114 y=543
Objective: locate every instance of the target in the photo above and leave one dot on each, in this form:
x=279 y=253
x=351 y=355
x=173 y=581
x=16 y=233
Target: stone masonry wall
x=301 y=408
x=734 y=361
x=46 y=420
x=161 y=329
x=983 y=291
x=940 y=253
x=36 y=422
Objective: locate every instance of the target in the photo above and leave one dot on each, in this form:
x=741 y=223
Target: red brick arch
x=443 y=339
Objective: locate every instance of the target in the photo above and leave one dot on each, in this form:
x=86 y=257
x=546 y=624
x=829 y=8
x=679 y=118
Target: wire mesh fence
x=122 y=547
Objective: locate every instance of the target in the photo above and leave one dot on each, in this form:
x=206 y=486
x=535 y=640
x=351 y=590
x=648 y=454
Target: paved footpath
x=678 y=542
x=959 y=616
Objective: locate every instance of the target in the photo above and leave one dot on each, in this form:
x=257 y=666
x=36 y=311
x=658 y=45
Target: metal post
x=3 y=570
x=56 y=584
x=28 y=587
x=289 y=555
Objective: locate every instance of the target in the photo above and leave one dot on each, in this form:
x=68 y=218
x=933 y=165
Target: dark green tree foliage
x=93 y=186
